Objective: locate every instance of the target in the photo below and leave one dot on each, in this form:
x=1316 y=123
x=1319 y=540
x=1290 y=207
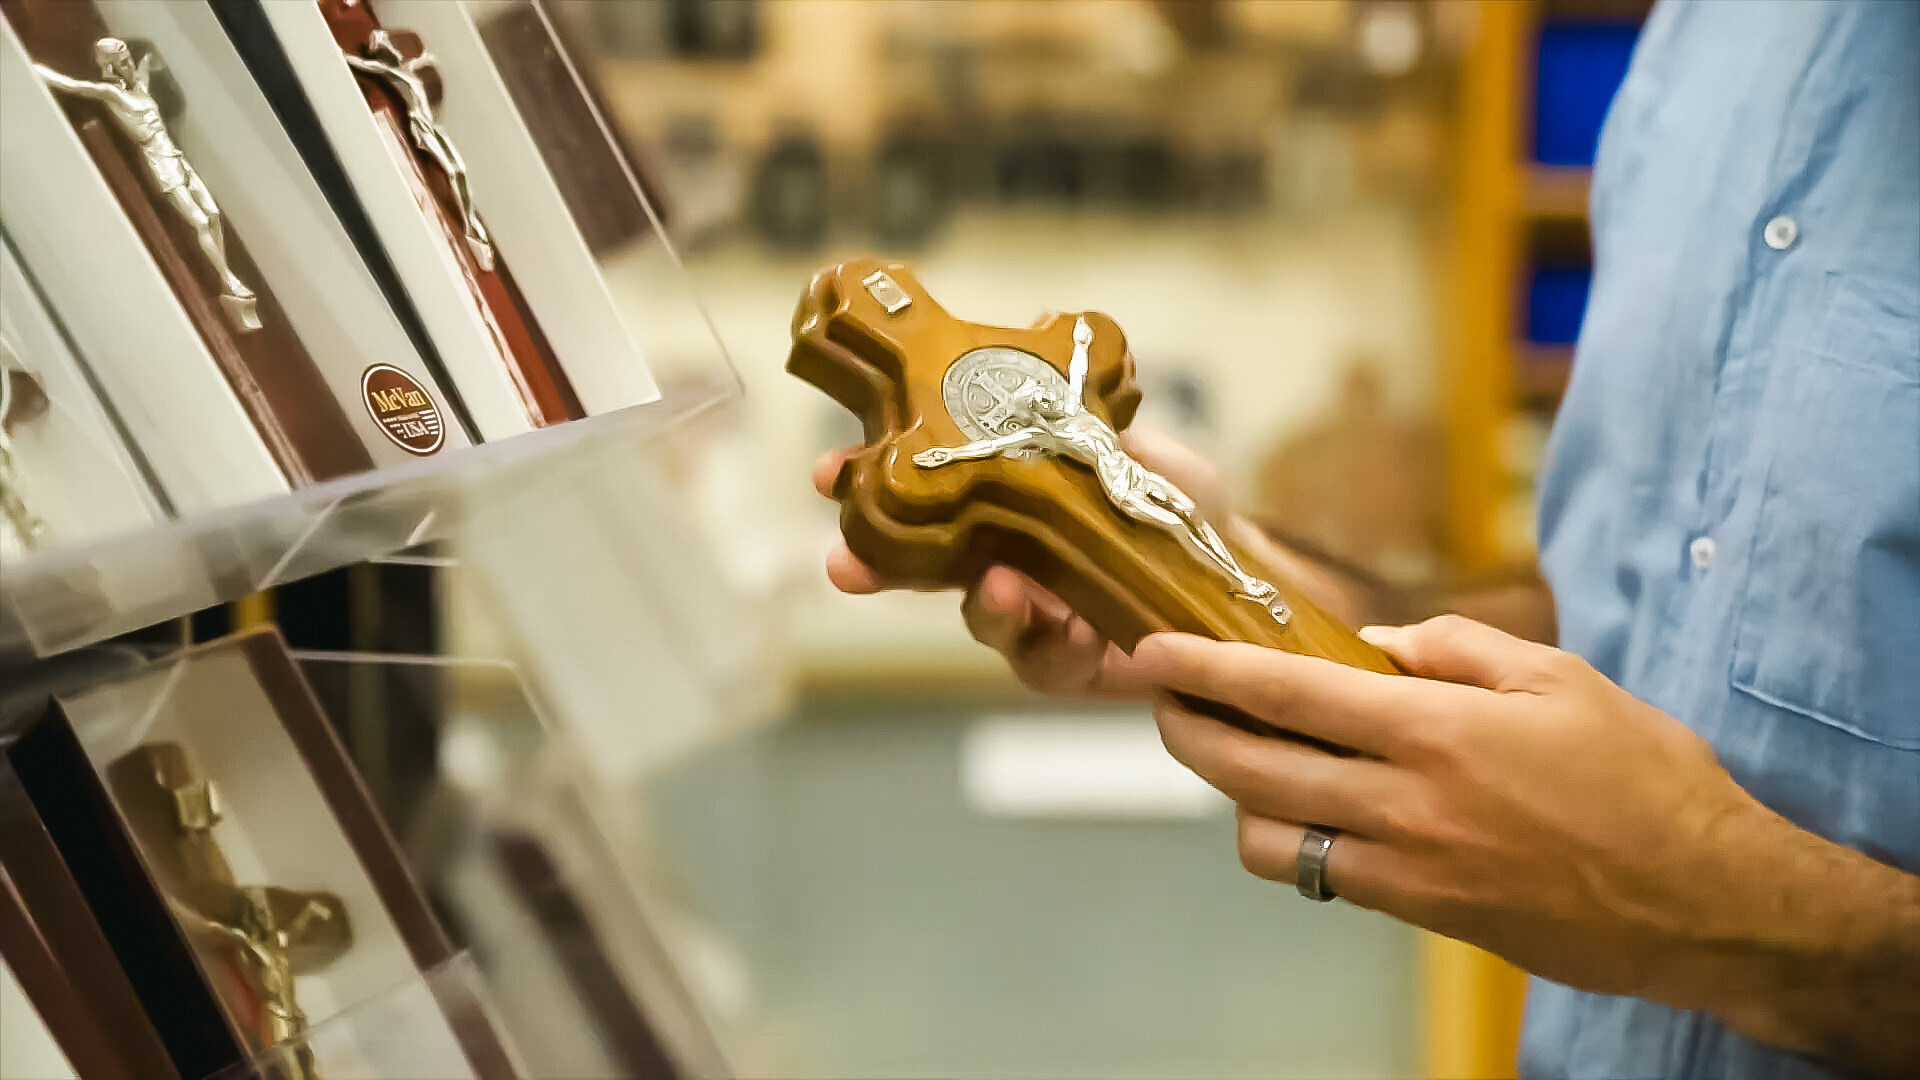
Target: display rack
x=235 y=765
x=638 y=376
x=208 y=845
x=1515 y=278
x=559 y=926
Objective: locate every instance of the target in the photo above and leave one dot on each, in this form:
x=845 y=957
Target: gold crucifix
x=264 y=936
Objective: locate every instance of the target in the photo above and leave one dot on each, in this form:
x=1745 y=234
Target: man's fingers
x=844 y=569
x=1052 y=650
x=1360 y=710
x=1278 y=778
x=1005 y=604
x=826 y=468
x=1460 y=650
x=1359 y=871
x=1049 y=661
x=995 y=610
x=849 y=574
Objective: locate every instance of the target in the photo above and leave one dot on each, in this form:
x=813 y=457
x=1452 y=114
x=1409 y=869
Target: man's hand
x=1518 y=800
x=1052 y=650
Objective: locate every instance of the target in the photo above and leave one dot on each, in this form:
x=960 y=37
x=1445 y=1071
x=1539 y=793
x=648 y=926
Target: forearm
x=1814 y=947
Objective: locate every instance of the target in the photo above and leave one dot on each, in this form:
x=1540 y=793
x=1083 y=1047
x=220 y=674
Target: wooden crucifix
x=986 y=444
x=261 y=937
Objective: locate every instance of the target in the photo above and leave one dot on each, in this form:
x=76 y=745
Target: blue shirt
x=1731 y=515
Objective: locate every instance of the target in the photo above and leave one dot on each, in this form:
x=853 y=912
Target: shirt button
x=1702 y=551
x=1781 y=232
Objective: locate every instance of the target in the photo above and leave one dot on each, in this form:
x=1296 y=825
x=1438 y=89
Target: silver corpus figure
x=21 y=401
x=1067 y=427
x=125 y=94
x=384 y=60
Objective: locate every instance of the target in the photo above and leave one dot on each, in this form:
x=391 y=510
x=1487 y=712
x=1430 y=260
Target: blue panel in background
x=1580 y=67
x=1556 y=302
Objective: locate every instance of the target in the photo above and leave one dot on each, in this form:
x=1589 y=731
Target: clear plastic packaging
x=280 y=907
x=560 y=195
x=378 y=1039
x=503 y=834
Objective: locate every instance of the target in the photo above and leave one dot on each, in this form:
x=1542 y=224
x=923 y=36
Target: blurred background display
x=1348 y=243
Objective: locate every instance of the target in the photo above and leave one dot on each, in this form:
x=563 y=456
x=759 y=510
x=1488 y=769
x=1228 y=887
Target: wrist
x=1798 y=935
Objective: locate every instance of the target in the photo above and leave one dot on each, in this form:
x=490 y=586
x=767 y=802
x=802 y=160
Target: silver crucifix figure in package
x=124 y=91
x=384 y=60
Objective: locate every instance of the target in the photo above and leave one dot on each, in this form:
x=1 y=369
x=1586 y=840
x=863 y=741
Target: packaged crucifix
x=200 y=873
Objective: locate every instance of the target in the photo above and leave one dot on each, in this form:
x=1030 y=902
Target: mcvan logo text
x=395 y=400
x=404 y=411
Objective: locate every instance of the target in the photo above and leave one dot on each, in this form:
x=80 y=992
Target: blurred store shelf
x=1540 y=377
x=1558 y=191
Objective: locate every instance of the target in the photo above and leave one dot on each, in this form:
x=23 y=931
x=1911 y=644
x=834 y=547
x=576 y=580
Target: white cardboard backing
x=108 y=291
x=525 y=211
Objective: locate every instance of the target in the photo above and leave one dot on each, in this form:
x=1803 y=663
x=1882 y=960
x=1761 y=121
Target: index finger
x=826 y=468
x=1346 y=706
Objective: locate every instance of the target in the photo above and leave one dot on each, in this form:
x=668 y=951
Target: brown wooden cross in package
x=986 y=444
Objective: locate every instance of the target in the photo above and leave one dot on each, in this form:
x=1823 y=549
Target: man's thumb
x=1459 y=650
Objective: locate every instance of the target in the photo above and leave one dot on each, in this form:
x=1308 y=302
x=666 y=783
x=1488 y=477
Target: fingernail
x=1379 y=636
x=1052 y=607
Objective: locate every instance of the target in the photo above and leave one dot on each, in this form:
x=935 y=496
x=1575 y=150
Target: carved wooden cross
x=986 y=445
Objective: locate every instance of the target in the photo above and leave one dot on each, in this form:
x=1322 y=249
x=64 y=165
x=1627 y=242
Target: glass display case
x=664 y=803
x=502 y=824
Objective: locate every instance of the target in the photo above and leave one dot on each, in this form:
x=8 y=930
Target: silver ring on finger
x=1310 y=875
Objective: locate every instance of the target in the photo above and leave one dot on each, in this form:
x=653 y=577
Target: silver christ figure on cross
x=1043 y=420
x=124 y=91
x=384 y=60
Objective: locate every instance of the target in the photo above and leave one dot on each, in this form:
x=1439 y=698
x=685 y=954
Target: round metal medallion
x=979 y=386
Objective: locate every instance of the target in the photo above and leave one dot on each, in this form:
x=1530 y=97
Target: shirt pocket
x=1829 y=624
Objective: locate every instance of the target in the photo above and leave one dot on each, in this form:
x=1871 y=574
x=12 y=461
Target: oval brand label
x=403 y=410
